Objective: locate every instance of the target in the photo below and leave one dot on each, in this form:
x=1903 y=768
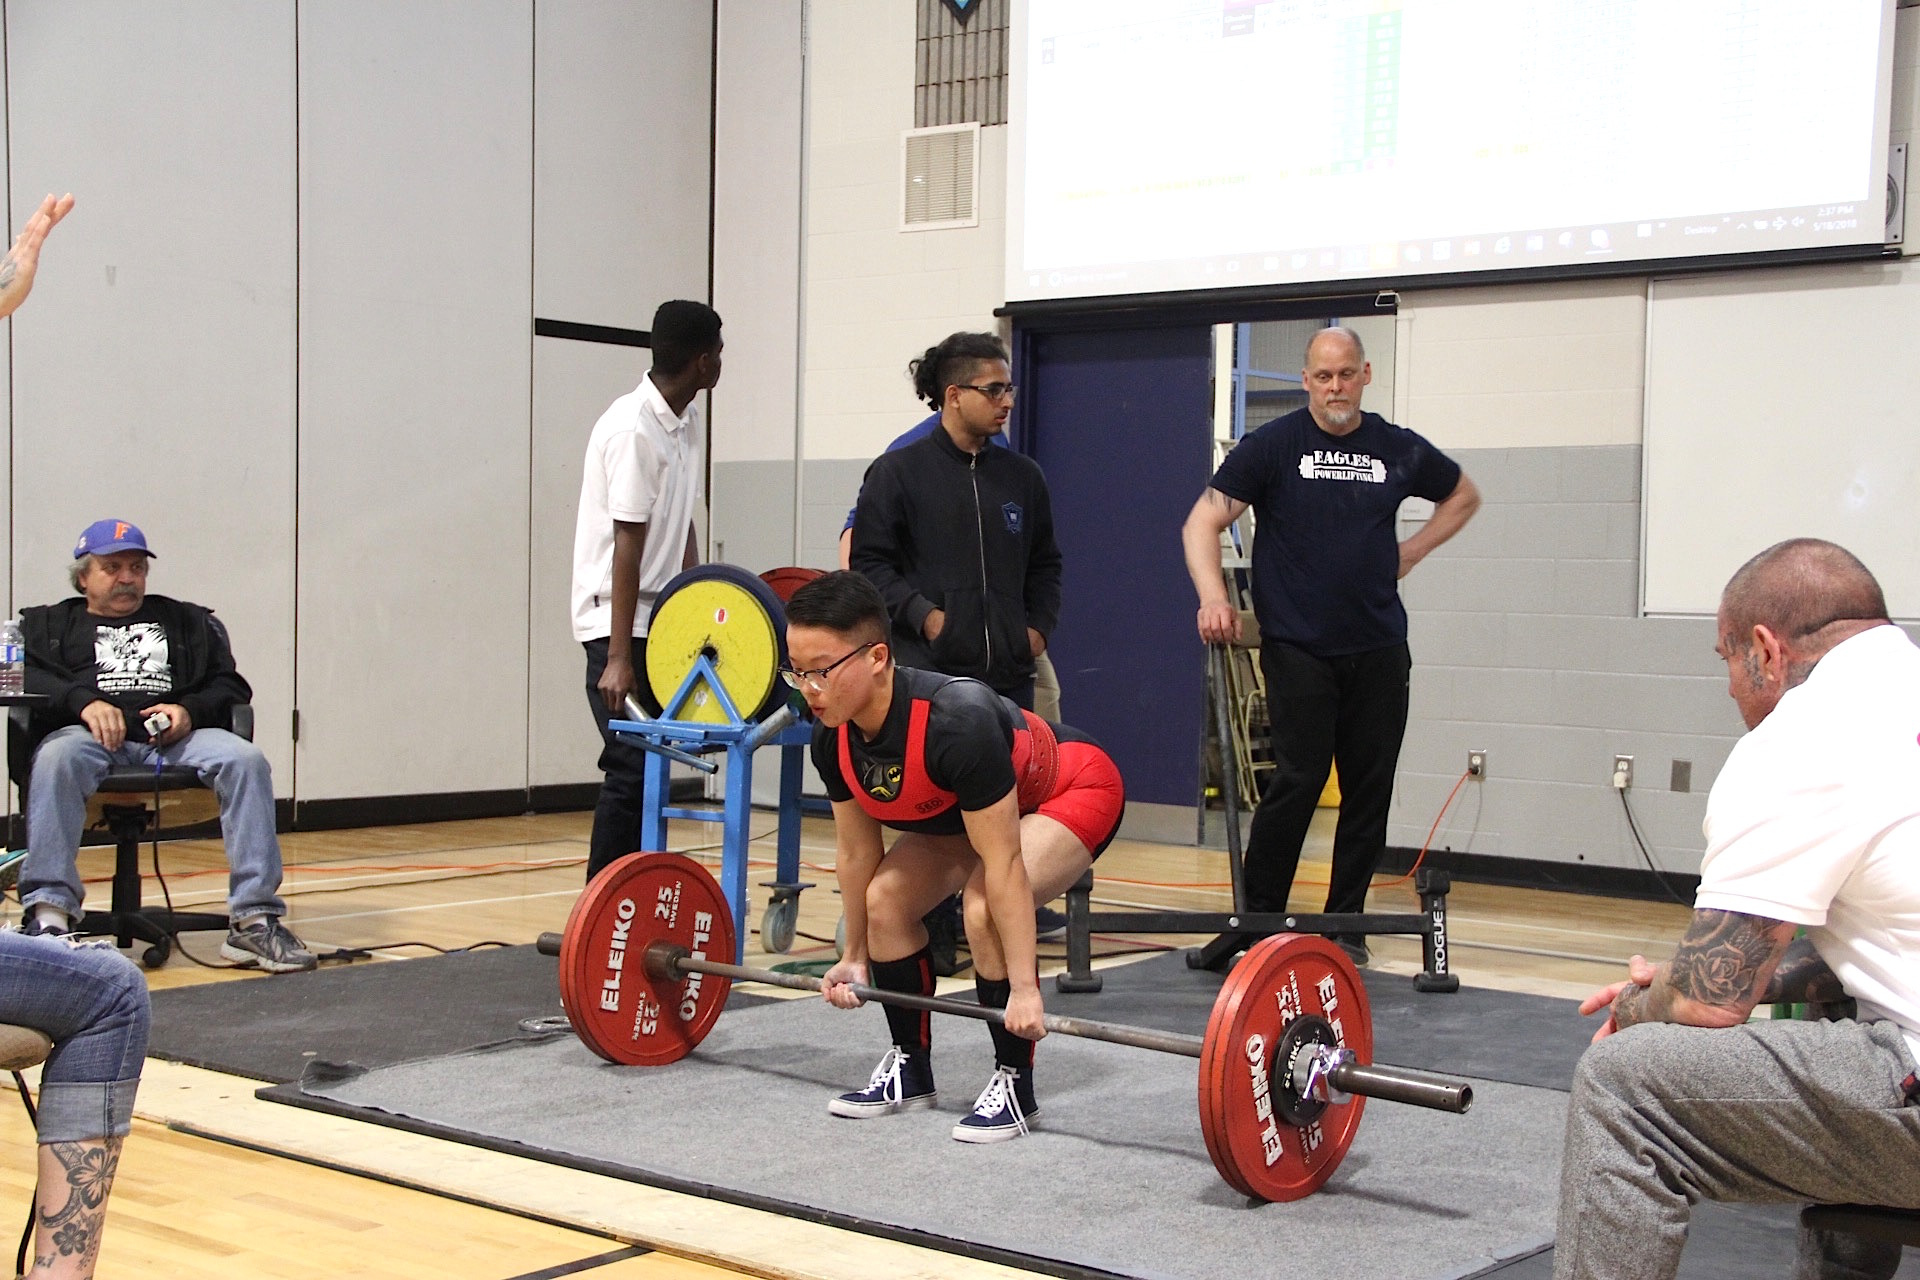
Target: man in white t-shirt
x=639 y=495
x=1813 y=824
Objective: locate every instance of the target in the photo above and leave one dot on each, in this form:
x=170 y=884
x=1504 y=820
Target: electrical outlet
x=1622 y=772
x=1476 y=764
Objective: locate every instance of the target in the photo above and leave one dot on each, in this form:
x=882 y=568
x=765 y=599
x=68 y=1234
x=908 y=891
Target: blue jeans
x=68 y=767
x=92 y=1002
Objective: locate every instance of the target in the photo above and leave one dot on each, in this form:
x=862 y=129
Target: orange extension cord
x=474 y=869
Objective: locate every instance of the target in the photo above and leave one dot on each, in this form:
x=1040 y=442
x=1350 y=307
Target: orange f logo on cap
x=120 y=528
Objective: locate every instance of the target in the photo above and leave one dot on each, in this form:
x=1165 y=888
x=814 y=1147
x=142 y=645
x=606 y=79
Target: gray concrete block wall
x=1527 y=644
x=752 y=506
x=828 y=494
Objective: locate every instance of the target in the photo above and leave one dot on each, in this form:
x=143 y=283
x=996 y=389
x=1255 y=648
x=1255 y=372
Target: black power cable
x=1641 y=844
x=345 y=955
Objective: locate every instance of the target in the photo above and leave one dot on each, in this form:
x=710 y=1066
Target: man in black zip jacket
x=133 y=678
x=957 y=536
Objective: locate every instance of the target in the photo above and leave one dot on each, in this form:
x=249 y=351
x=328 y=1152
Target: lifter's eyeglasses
x=817 y=680
x=992 y=390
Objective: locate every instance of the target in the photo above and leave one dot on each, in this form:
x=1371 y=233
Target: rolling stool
x=22 y=1047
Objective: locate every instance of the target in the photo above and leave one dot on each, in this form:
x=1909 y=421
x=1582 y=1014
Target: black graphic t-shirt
x=130 y=660
x=1326 y=552
x=965 y=759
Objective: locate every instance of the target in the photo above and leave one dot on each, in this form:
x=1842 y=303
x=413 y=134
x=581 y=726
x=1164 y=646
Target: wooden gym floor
x=213 y=1181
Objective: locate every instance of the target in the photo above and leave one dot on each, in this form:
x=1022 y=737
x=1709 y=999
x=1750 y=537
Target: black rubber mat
x=1490 y=1035
x=371 y=1014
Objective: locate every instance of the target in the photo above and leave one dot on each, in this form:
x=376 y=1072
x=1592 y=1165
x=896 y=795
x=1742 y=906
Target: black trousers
x=616 y=818
x=1351 y=712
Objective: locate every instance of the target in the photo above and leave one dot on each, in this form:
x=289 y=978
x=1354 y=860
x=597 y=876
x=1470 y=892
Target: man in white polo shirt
x=1813 y=824
x=639 y=492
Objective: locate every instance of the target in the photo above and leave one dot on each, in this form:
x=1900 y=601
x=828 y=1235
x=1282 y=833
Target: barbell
x=1284 y=1063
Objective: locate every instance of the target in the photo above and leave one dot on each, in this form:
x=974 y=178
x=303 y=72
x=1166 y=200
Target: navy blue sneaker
x=902 y=1082
x=1049 y=925
x=1003 y=1110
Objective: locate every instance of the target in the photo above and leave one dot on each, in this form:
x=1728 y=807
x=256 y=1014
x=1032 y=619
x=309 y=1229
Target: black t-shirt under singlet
x=1326 y=553
x=968 y=749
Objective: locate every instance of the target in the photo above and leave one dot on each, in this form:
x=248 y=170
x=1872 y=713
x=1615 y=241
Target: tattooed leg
x=71 y=1209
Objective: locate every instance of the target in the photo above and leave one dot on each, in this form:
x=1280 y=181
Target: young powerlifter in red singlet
x=990 y=802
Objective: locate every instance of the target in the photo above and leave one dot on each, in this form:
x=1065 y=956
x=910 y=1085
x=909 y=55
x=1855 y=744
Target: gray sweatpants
x=1664 y=1116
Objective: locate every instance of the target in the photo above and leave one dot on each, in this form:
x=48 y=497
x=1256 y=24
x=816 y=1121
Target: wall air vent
x=940 y=171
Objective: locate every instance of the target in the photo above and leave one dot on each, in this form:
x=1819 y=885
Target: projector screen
x=1162 y=145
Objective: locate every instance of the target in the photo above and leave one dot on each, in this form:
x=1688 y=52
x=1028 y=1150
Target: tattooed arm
x=23 y=259
x=1200 y=538
x=1720 y=971
x=1803 y=977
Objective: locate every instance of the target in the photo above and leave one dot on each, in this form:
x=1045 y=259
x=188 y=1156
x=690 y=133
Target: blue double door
x=1120 y=420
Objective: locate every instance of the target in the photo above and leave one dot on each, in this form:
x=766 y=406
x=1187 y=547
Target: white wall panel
x=1730 y=465
x=621 y=158
x=154 y=365
x=573 y=383
x=415 y=381
x=756 y=279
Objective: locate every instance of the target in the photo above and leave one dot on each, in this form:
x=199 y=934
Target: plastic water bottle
x=13 y=658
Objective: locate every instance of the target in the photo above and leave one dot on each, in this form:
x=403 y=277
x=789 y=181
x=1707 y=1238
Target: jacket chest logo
x=1014 y=515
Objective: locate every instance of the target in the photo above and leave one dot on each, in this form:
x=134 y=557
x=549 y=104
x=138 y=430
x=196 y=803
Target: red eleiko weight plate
x=789 y=579
x=783 y=582
x=1279 y=979
x=617 y=1010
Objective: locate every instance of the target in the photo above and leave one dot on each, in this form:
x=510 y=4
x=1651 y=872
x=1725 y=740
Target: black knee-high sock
x=1009 y=1050
x=912 y=1029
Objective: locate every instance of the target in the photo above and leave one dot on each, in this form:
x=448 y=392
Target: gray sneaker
x=265 y=943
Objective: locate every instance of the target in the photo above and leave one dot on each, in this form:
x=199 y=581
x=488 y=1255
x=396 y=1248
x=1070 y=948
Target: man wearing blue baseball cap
x=133 y=678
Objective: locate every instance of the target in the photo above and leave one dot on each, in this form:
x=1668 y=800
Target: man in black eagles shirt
x=110 y=660
x=1325 y=484
x=991 y=802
